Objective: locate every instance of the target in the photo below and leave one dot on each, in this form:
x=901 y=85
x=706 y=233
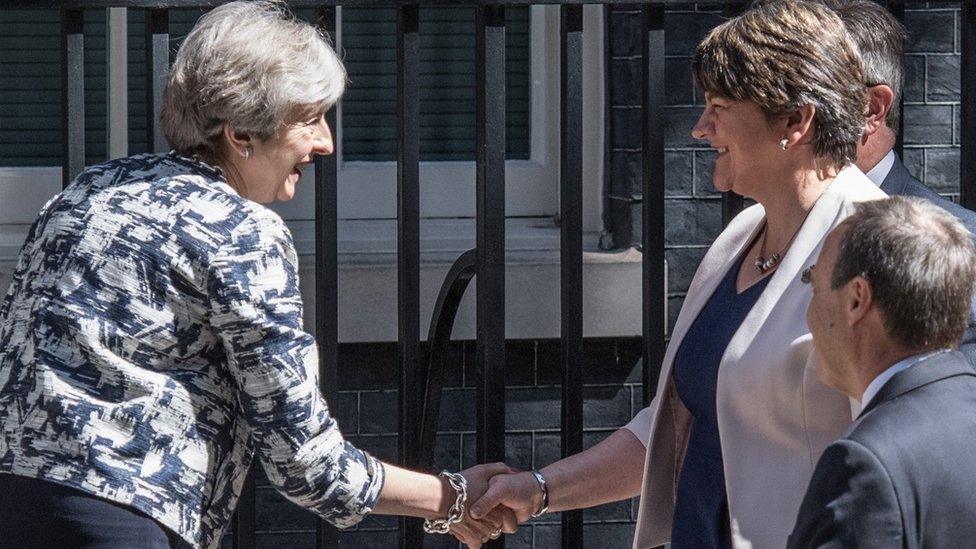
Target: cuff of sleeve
x=373 y=477
x=640 y=426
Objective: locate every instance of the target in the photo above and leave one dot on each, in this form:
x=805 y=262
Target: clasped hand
x=499 y=498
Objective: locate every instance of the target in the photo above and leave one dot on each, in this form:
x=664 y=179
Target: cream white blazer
x=774 y=415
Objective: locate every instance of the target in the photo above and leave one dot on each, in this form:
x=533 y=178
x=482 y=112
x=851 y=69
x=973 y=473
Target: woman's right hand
x=519 y=492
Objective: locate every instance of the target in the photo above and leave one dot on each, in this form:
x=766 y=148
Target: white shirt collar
x=879 y=172
x=884 y=376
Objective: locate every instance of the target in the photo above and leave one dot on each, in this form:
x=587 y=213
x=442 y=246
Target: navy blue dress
x=701 y=509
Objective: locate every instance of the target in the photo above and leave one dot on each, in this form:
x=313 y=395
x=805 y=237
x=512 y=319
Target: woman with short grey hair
x=151 y=342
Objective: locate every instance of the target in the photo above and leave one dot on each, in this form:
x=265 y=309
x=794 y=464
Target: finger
x=490 y=499
x=496 y=468
x=509 y=520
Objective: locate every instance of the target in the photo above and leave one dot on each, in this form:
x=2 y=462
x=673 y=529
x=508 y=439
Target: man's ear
x=237 y=141
x=881 y=100
x=799 y=125
x=858 y=300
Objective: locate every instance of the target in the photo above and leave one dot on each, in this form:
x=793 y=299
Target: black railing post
x=72 y=93
x=243 y=536
x=408 y=244
x=967 y=164
x=571 y=246
x=732 y=203
x=653 y=204
x=327 y=273
x=157 y=68
x=490 y=232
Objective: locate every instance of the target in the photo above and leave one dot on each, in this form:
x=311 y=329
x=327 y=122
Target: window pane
x=447 y=83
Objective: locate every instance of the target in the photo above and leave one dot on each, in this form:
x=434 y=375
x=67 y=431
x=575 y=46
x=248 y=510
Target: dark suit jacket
x=905 y=474
x=900 y=182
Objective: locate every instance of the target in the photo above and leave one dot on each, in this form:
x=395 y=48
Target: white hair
x=249 y=64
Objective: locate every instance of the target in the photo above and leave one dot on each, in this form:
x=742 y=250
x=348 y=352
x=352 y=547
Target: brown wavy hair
x=782 y=55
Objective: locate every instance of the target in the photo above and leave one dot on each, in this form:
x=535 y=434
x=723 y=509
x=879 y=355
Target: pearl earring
x=784 y=143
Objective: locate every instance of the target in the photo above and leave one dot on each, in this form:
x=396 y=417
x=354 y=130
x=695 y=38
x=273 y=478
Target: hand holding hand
x=519 y=492
x=473 y=532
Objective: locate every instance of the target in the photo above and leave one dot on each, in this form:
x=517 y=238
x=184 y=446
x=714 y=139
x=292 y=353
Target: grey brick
x=691 y=221
x=679 y=173
x=680 y=85
x=367 y=366
x=518 y=450
x=625 y=81
x=684 y=31
x=532 y=408
x=277 y=513
x=943 y=78
x=546 y=449
x=457 y=410
x=602 y=363
x=927 y=31
x=674 y=306
x=928 y=124
x=447 y=452
x=606 y=407
x=704 y=169
x=290 y=541
x=367 y=539
x=629 y=352
x=625 y=33
x=942 y=170
x=678 y=124
x=345 y=410
x=608 y=536
x=379 y=412
x=548 y=536
x=914 y=90
x=626 y=128
x=956 y=125
x=520 y=362
x=384 y=447
x=914 y=160
x=521 y=539
x=682 y=264
x=627 y=170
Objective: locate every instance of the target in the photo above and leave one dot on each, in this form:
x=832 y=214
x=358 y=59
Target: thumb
x=491 y=498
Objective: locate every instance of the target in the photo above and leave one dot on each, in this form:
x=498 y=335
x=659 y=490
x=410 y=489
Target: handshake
x=499 y=498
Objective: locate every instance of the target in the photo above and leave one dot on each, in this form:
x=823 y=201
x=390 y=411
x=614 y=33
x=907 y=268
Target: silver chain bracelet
x=456 y=513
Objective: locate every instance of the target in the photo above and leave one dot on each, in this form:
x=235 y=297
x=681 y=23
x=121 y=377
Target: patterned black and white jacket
x=151 y=342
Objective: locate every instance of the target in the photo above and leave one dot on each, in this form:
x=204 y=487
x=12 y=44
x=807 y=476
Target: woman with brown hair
x=740 y=417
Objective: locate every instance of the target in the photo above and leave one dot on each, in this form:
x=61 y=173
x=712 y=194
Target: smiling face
x=276 y=164
x=826 y=316
x=746 y=143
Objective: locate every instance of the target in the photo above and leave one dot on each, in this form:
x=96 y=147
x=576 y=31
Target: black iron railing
x=420 y=381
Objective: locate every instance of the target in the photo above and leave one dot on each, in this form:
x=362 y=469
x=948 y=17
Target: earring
x=248 y=151
x=784 y=143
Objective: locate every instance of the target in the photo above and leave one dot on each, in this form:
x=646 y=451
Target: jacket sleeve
x=850 y=502
x=256 y=310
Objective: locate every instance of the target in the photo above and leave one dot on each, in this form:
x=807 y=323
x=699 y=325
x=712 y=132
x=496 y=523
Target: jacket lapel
x=930 y=370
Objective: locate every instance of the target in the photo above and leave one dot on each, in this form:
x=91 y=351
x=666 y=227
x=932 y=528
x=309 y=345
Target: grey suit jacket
x=904 y=475
x=900 y=182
